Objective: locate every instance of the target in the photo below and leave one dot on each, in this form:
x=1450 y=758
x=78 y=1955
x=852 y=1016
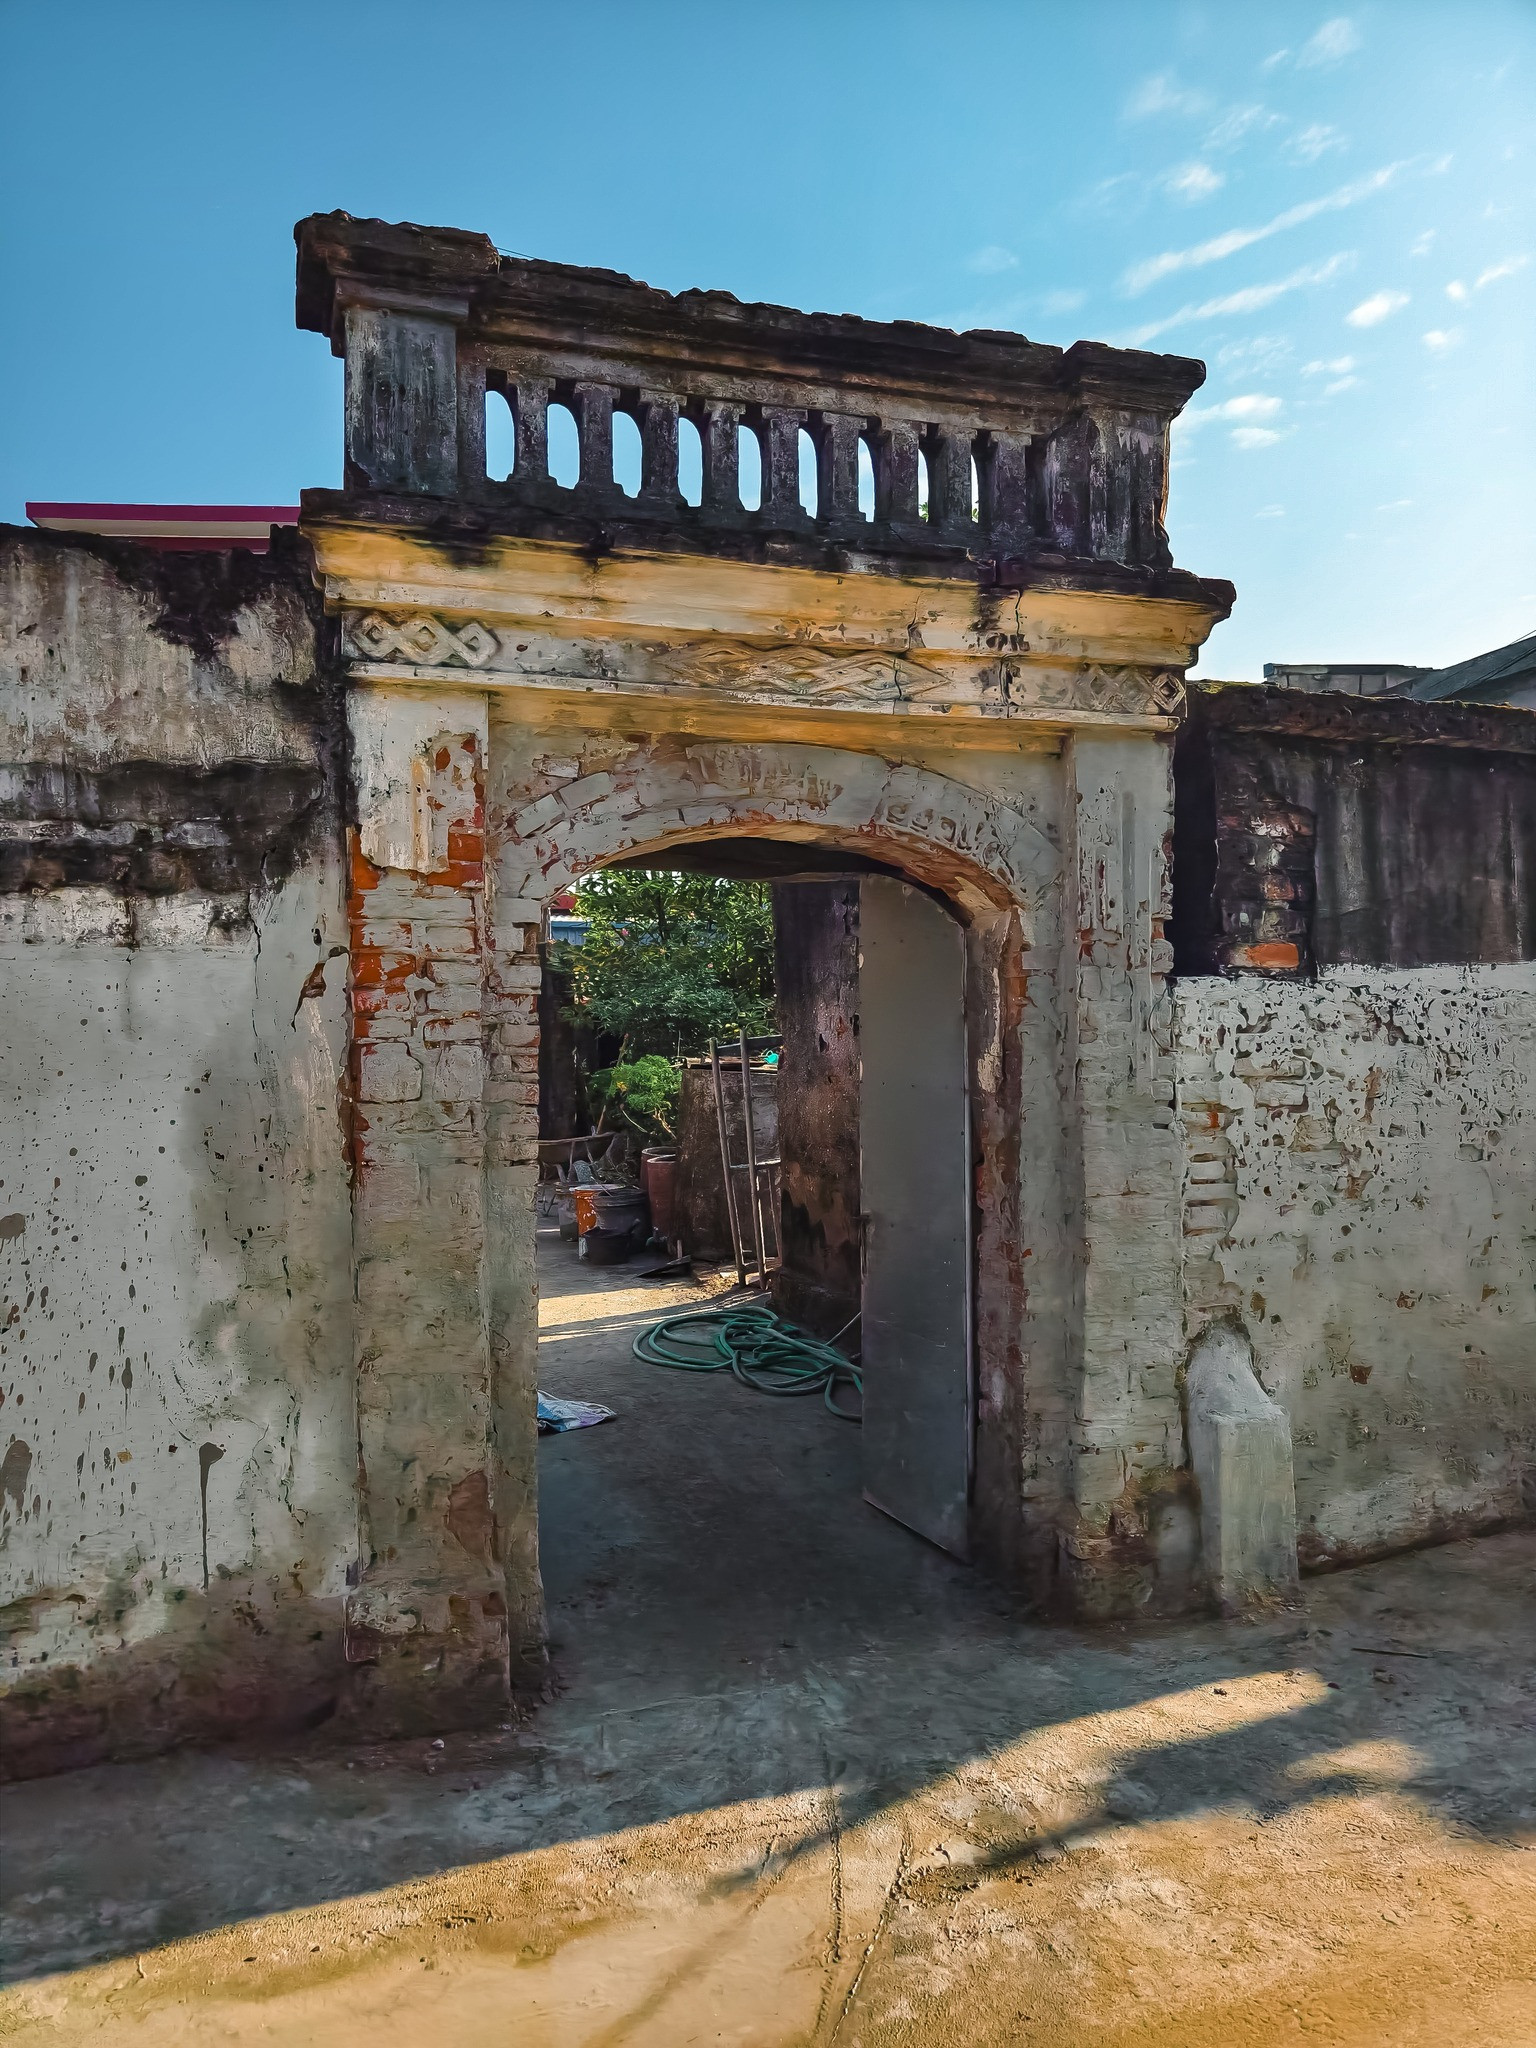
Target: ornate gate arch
x=977 y=688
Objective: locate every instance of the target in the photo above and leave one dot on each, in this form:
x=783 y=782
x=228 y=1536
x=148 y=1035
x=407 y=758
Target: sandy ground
x=804 y=1780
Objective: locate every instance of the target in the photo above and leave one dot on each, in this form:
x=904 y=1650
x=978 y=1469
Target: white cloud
x=1457 y=292
x=1250 y=300
x=1334 y=41
x=1193 y=181
x=1335 y=366
x=1155 y=268
x=1066 y=301
x=1424 y=244
x=1236 y=123
x=1253 y=437
x=1314 y=142
x=1498 y=270
x=1247 y=405
x=992 y=260
x=1260 y=352
x=1275 y=57
x=1270 y=512
x=1440 y=339
x=1162 y=94
x=1378 y=307
x=1395 y=505
x=1339 y=384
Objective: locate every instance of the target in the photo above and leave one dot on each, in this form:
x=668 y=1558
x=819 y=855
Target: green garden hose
x=750 y=1341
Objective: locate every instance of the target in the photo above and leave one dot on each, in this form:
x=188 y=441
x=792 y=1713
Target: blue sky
x=1333 y=210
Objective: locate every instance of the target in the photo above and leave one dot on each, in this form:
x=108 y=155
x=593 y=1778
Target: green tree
x=671 y=960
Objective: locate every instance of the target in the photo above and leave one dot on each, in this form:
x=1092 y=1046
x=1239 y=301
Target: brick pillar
x=1127 y=1432
x=428 y=1617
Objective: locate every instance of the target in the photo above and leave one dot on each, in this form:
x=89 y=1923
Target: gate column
x=428 y=1615
x=1126 y=1430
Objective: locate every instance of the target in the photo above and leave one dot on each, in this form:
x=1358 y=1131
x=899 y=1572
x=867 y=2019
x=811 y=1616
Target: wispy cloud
x=1334 y=41
x=1193 y=181
x=1424 y=244
x=992 y=260
x=1237 y=122
x=1259 y=352
x=1506 y=269
x=1162 y=94
x=1313 y=142
x=1270 y=512
x=1062 y=301
x=1155 y=268
x=1378 y=307
x=1250 y=300
x=1247 y=405
x=1335 y=366
x=1254 y=437
x=1339 y=384
x=1440 y=340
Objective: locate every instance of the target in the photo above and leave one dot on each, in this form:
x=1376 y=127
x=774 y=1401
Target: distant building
x=183 y=528
x=1354 y=679
x=1505 y=676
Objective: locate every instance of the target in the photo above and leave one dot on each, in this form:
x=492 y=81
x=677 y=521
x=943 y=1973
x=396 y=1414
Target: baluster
x=949 y=483
x=593 y=406
x=781 y=467
x=530 y=420
x=837 y=470
x=659 y=490
x=718 y=424
x=894 y=449
x=472 y=386
x=1002 y=464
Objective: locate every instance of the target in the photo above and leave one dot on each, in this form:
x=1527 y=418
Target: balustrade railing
x=1025 y=449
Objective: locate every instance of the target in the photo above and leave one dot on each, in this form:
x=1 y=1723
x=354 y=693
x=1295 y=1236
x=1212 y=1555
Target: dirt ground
x=805 y=1780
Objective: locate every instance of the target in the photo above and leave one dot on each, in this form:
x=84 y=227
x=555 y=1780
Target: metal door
x=914 y=1143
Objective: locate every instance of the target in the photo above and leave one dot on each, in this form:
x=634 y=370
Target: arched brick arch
x=554 y=814
x=553 y=817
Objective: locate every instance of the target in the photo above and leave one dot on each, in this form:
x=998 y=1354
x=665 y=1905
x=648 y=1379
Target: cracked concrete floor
x=807 y=1781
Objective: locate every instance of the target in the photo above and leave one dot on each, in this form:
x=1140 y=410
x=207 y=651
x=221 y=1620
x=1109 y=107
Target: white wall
x=1361 y=1190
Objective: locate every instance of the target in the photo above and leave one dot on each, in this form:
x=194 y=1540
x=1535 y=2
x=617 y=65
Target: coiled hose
x=750 y=1341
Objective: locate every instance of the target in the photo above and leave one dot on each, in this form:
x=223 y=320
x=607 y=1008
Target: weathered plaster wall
x=178 y=1512
x=1321 y=832
x=1360 y=1189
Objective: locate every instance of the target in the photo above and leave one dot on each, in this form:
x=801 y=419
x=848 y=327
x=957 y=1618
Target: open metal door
x=914 y=1143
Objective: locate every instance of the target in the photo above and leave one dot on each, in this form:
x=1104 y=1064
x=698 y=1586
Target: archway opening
x=707 y=1507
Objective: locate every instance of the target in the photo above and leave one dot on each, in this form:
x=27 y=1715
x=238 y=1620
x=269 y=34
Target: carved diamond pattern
x=423 y=639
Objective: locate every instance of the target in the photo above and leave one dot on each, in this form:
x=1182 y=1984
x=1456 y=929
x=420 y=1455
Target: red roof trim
x=274 y=515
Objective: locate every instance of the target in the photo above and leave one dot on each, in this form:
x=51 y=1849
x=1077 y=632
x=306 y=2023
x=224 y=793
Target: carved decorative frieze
x=795 y=674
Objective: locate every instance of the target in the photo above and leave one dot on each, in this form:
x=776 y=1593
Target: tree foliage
x=641 y=1094
x=671 y=960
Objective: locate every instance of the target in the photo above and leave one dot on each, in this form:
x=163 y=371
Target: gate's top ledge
x=981 y=454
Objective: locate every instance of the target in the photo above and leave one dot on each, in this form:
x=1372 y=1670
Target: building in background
x=1507 y=675
x=182 y=528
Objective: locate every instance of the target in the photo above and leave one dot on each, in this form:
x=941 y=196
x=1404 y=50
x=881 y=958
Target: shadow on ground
x=732 y=1624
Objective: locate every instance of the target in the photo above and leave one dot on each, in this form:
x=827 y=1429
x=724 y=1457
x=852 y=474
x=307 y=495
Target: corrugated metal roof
x=1488 y=676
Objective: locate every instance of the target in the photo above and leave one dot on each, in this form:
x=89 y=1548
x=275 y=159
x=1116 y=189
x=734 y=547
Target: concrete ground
x=804 y=1780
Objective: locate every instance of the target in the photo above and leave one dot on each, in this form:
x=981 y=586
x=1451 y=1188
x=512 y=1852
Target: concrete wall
x=1360 y=1191
x=178 y=1512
